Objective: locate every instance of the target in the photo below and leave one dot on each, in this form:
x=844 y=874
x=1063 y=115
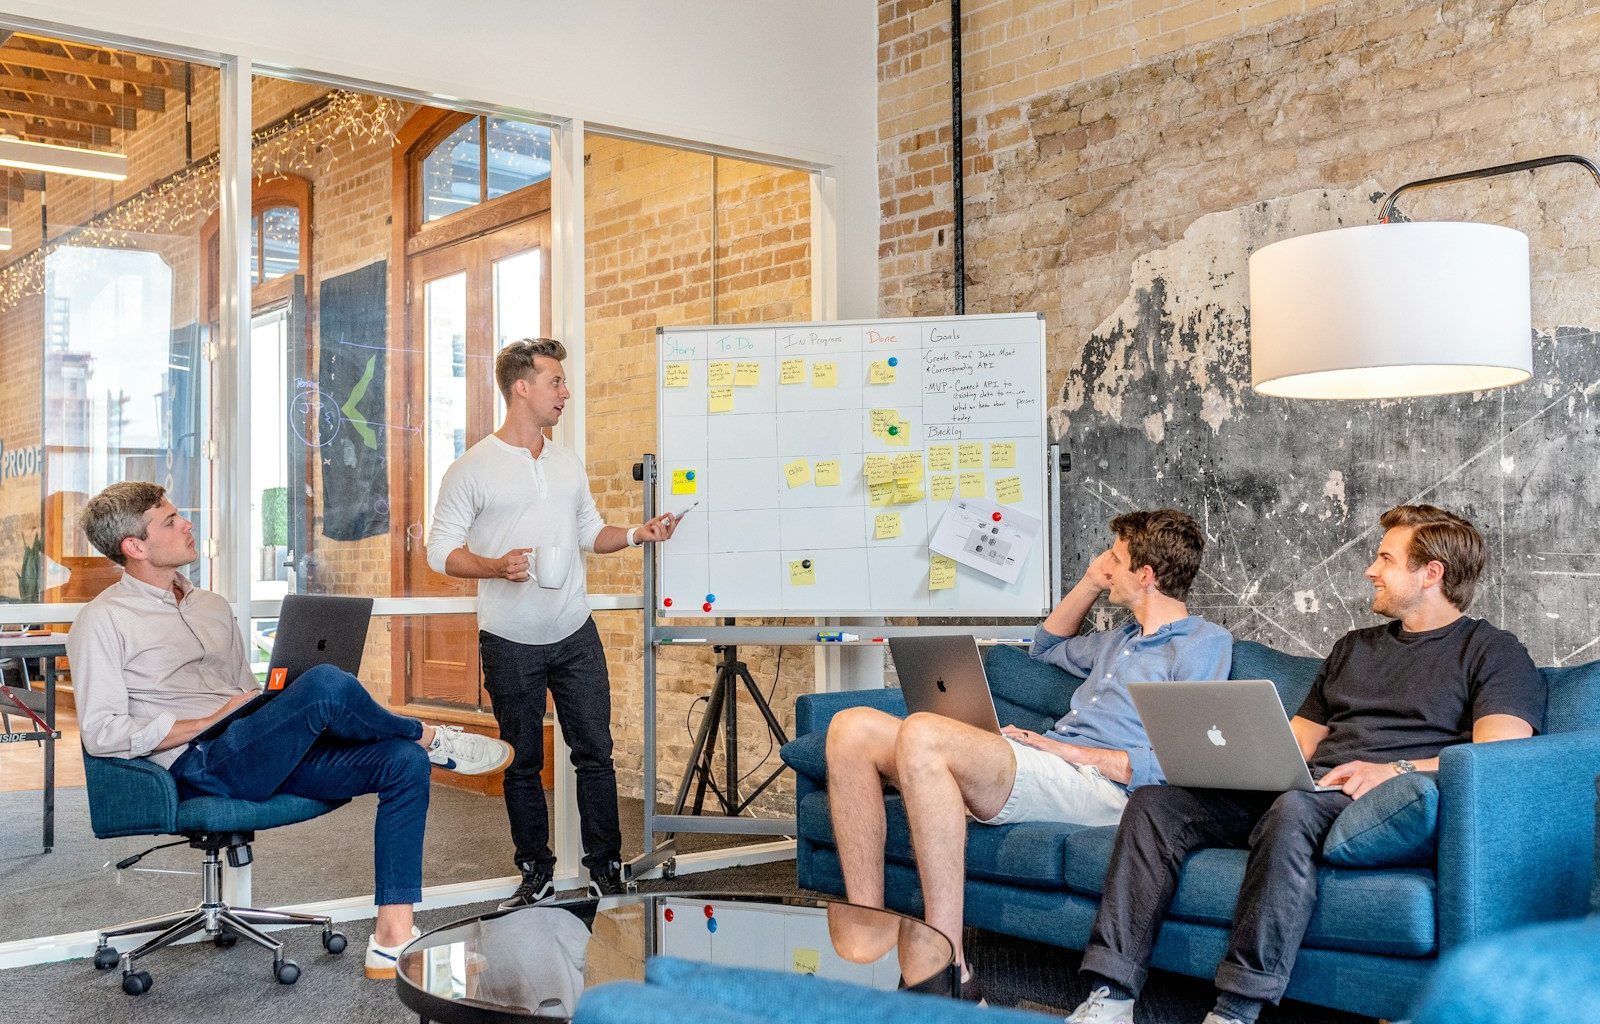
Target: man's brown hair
x=117 y=513
x=1446 y=538
x=1166 y=540
x=516 y=360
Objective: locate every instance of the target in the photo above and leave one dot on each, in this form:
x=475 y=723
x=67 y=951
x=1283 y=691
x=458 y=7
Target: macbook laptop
x=1223 y=734
x=944 y=675
x=313 y=630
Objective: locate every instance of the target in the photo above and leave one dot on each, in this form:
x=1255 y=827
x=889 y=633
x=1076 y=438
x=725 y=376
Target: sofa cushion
x=1574 y=701
x=1389 y=911
x=1292 y=675
x=1027 y=693
x=1026 y=854
x=1395 y=824
x=808 y=756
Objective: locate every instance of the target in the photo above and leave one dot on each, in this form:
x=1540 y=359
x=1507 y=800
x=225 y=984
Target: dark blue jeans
x=573 y=671
x=1160 y=827
x=325 y=738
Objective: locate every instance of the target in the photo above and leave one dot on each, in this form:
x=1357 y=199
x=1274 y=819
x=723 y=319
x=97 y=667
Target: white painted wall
x=791 y=78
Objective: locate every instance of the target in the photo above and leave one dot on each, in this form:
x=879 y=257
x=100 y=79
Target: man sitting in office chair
x=156 y=661
x=1080 y=772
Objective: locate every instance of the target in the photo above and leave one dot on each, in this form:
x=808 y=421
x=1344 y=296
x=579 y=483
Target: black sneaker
x=606 y=880
x=538 y=886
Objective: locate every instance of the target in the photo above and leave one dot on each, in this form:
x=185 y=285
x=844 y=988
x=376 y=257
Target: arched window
x=482 y=158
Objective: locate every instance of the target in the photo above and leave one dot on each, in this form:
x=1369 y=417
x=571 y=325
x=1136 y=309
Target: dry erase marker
x=678 y=517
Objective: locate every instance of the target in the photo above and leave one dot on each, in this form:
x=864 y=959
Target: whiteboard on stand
x=778 y=438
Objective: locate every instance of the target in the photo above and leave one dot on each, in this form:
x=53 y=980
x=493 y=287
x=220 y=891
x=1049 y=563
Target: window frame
x=414 y=143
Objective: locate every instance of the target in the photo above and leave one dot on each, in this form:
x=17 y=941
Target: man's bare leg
x=861 y=755
x=946 y=768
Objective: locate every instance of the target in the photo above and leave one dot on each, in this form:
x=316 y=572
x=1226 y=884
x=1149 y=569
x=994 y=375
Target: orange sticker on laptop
x=277 y=679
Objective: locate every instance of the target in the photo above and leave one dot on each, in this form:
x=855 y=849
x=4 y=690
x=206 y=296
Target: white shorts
x=1050 y=789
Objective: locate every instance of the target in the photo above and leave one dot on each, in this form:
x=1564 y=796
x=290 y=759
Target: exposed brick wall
x=648 y=263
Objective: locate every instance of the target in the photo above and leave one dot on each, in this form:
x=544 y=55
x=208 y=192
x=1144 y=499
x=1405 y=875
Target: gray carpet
x=71 y=889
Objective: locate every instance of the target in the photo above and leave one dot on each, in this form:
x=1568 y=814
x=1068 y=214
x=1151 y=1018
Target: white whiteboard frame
x=1049 y=514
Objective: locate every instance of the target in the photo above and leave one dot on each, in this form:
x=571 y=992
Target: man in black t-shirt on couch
x=1387 y=700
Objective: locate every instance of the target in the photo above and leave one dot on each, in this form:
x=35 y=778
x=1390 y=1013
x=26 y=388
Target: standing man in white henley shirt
x=512 y=492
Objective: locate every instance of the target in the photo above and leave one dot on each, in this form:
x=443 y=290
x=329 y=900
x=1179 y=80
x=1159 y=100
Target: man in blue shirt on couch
x=1081 y=771
x=1386 y=701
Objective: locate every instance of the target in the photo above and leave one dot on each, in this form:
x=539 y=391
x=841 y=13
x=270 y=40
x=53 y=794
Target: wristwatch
x=1402 y=766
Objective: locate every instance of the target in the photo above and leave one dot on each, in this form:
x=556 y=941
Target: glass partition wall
x=299 y=374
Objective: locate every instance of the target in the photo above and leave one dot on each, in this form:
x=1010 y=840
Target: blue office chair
x=138 y=798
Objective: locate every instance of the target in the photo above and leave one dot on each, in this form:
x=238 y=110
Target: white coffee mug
x=550 y=566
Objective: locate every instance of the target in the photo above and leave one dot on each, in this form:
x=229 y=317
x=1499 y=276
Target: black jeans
x=1164 y=824
x=574 y=672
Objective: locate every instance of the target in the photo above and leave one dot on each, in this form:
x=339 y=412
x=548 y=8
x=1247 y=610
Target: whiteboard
x=750 y=413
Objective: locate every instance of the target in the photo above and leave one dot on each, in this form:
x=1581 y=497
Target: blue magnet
x=711 y=924
x=894 y=360
x=711 y=599
x=689 y=475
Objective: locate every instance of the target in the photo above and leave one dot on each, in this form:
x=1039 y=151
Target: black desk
x=49 y=647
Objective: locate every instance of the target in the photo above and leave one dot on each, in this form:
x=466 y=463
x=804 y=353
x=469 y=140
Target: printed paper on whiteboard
x=970 y=533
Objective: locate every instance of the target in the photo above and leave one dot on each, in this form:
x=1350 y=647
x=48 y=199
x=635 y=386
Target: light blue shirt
x=1102 y=712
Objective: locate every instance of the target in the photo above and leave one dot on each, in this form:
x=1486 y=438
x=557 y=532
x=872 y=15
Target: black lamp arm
x=1388 y=211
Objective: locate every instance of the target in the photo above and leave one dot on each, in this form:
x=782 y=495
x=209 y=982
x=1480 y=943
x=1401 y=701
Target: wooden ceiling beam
x=56 y=133
x=20 y=57
x=114 y=97
x=117 y=117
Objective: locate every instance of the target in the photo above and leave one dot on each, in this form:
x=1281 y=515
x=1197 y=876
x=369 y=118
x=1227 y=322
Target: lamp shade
x=1391 y=311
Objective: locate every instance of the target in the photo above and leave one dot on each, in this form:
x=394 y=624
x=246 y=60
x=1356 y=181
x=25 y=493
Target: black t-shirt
x=1386 y=694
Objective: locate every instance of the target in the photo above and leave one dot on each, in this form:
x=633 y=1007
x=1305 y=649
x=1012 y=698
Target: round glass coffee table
x=536 y=962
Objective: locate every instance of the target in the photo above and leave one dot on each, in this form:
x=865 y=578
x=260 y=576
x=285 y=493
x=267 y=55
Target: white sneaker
x=381 y=959
x=467 y=753
x=1099 y=1008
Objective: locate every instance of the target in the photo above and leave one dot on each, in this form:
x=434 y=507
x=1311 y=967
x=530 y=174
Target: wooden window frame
x=414 y=143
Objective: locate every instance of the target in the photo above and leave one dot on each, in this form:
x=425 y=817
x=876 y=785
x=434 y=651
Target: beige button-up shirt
x=142 y=660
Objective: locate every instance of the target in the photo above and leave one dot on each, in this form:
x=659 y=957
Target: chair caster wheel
x=287 y=972
x=106 y=958
x=136 y=983
x=334 y=942
x=225 y=940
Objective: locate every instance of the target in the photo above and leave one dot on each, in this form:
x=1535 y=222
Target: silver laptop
x=1223 y=734
x=944 y=675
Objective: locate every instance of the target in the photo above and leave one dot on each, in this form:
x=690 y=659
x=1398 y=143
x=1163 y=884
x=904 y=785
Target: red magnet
x=709 y=910
x=667 y=914
x=706 y=607
x=666 y=602
x=995 y=517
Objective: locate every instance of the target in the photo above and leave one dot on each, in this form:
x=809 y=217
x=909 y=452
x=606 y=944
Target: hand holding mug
x=513 y=565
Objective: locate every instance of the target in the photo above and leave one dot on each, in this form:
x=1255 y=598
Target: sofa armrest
x=129 y=797
x=813 y=711
x=1516 y=833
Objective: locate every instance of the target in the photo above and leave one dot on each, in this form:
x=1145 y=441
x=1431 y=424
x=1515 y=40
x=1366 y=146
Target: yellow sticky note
x=720 y=399
x=802 y=572
x=900 y=434
x=824 y=375
x=806 y=961
x=971 y=455
x=1008 y=491
x=906 y=494
x=797 y=472
x=880 y=372
x=827 y=472
x=941 y=573
x=941 y=458
x=747 y=375
x=677 y=375
x=882 y=420
x=972 y=485
x=886 y=526
x=792 y=371
x=683 y=481
x=908 y=467
x=880 y=469
x=1002 y=454
x=719 y=375
x=879 y=495
x=944 y=485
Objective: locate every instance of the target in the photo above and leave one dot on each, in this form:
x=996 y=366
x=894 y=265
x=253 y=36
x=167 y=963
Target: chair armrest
x=1516 y=833
x=129 y=797
x=813 y=711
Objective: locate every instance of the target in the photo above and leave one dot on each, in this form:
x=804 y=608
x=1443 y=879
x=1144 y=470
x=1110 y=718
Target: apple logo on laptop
x=1215 y=736
x=322 y=644
x=940 y=684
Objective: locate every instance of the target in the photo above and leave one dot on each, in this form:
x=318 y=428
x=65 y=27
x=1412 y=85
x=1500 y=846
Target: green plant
x=275 y=516
x=30 y=582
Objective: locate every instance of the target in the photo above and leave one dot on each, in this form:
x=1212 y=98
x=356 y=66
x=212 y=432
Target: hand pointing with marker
x=658 y=529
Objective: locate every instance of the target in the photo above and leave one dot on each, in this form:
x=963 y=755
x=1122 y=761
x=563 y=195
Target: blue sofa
x=1516 y=841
